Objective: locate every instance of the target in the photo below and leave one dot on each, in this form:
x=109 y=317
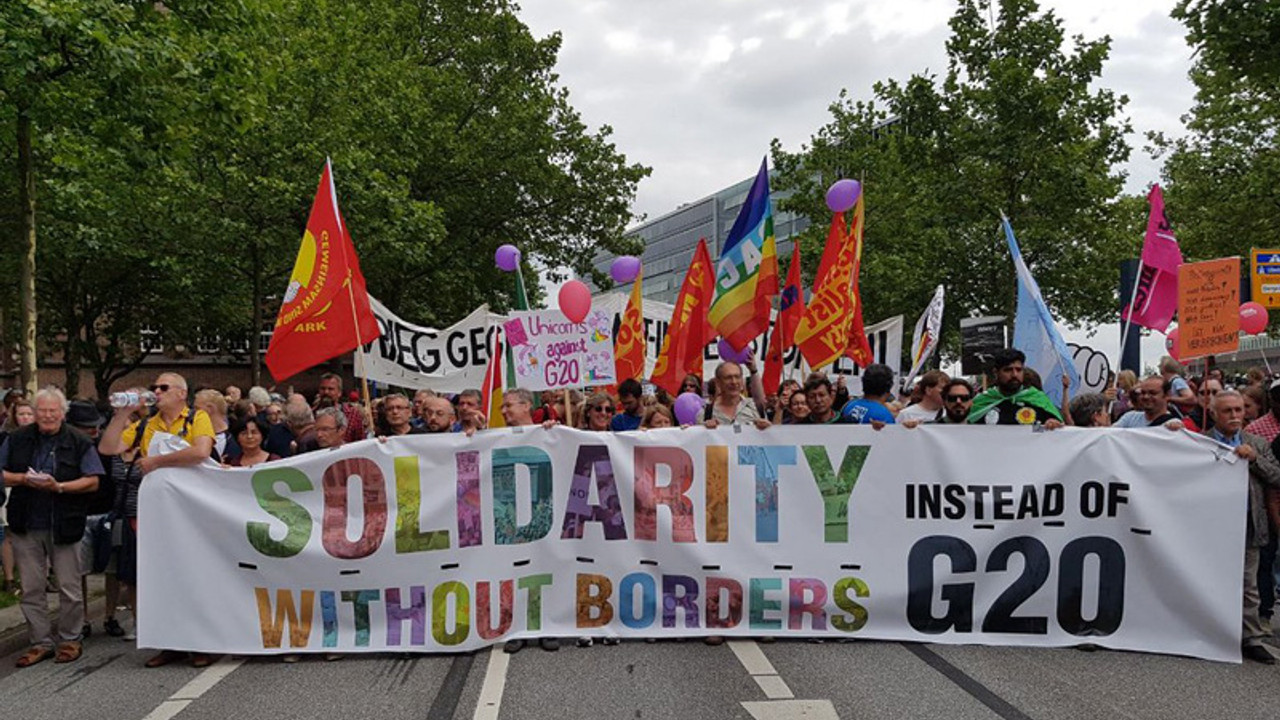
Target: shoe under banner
x=452 y=359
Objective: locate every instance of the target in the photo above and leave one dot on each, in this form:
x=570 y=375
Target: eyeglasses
x=1208 y=393
x=959 y=398
x=603 y=408
x=160 y=387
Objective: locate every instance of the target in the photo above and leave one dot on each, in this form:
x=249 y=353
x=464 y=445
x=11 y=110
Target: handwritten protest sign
x=1208 y=307
x=552 y=352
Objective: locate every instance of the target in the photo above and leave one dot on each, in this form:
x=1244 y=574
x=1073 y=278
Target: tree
x=1015 y=125
x=1223 y=175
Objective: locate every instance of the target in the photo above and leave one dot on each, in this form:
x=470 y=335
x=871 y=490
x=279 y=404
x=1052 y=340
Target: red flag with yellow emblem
x=326 y=306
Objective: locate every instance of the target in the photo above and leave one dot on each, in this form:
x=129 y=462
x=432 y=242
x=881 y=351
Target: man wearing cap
x=50 y=468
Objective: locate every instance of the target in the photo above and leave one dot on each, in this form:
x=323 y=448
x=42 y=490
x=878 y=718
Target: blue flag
x=1034 y=332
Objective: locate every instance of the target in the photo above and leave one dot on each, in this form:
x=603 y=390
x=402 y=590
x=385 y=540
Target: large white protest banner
x=412 y=356
x=1128 y=539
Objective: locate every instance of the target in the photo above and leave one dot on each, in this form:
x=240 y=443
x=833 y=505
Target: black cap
x=83 y=414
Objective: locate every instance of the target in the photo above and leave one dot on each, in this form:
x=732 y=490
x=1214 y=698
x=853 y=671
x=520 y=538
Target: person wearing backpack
x=172 y=419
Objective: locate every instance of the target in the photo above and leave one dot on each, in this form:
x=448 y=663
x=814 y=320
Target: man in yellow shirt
x=172 y=417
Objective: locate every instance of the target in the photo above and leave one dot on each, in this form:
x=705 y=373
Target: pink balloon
x=1171 y=343
x=575 y=300
x=1253 y=318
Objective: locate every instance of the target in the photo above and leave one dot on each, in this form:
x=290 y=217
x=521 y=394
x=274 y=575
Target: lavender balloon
x=688 y=408
x=507 y=257
x=843 y=195
x=625 y=269
x=728 y=354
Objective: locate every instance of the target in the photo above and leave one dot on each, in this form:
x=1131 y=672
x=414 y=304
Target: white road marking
x=774 y=687
x=495 y=680
x=792 y=710
x=752 y=657
x=198 y=686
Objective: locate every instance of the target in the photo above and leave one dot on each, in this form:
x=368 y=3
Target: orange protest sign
x=1208 y=308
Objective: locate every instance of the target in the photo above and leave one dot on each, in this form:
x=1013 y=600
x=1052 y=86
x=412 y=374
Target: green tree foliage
x=176 y=198
x=1016 y=124
x=1223 y=175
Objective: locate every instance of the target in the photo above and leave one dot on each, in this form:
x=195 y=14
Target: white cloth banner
x=412 y=356
x=1128 y=539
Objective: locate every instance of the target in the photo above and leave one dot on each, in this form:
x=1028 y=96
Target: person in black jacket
x=50 y=469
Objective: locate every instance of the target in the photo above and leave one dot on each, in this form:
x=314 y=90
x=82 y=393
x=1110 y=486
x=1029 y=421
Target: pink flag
x=1156 y=300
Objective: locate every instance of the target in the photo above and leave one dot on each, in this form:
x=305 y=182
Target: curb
x=16 y=639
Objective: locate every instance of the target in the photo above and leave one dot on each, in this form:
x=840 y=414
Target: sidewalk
x=13 y=627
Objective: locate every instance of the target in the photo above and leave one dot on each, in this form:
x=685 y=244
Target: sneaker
x=584 y=642
x=549 y=644
x=511 y=647
x=112 y=626
x=129 y=636
x=610 y=641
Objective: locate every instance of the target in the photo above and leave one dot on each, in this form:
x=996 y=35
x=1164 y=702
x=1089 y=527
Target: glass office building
x=669 y=241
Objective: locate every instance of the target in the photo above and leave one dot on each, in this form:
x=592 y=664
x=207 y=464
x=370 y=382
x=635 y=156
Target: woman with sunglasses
x=600 y=409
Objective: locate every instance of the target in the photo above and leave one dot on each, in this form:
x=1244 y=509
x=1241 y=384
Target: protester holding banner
x=1228 y=422
x=820 y=399
x=249 y=434
x=155 y=443
x=729 y=407
x=397 y=412
x=1090 y=410
x=600 y=413
x=470 y=417
x=437 y=415
x=871 y=408
x=1011 y=401
x=797 y=408
x=658 y=416
x=331 y=425
x=629 y=392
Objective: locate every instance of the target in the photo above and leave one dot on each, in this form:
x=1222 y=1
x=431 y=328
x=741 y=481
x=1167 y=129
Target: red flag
x=784 y=331
x=629 y=345
x=689 y=332
x=823 y=334
x=859 y=349
x=316 y=320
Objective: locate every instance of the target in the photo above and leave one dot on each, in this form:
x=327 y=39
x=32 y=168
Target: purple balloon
x=688 y=408
x=728 y=354
x=843 y=195
x=625 y=269
x=507 y=257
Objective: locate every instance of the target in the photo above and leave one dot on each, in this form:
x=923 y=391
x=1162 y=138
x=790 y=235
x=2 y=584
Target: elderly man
x=517 y=407
x=1227 y=409
x=173 y=419
x=398 y=412
x=331 y=390
x=331 y=425
x=730 y=406
x=1011 y=402
x=50 y=469
x=301 y=423
x=1152 y=405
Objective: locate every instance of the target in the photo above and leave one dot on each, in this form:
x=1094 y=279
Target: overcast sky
x=697 y=90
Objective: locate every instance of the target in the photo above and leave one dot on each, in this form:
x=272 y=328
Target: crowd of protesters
x=73 y=469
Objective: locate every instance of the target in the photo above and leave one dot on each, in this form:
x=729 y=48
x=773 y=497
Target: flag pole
x=351 y=295
x=1133 y=298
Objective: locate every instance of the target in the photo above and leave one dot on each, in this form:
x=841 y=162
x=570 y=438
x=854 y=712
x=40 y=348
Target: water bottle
x=130 y=398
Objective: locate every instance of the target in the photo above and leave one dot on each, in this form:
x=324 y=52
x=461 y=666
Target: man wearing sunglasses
x=957 y=398
x=172 y=418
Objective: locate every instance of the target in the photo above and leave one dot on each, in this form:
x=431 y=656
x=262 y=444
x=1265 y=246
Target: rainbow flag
x=747 y=273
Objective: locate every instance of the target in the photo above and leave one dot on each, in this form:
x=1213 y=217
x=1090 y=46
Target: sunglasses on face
x=160 y=387
x=958 y=398
x=603 y=408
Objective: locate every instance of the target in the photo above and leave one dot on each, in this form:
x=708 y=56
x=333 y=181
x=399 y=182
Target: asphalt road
x=636 y=680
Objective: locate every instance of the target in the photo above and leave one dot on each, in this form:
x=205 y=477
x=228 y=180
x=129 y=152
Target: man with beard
x=957 y=398
x=1152 y=405
x=1010 y=402
x=437 y=415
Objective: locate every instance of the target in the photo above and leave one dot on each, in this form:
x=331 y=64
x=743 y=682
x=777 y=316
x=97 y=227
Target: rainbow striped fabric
x=747 y=272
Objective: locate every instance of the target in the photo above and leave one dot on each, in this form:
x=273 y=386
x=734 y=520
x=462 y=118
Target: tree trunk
x=27 y=278
x=71 y=358
x=255 y=334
